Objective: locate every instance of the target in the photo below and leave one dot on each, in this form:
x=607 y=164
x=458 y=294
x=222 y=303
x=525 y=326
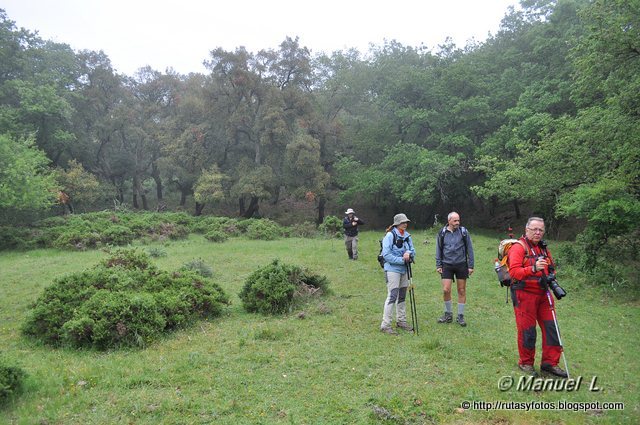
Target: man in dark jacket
x=350 y=224
x=454 y=259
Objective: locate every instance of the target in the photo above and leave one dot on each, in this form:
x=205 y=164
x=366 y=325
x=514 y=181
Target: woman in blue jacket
x=397 y=250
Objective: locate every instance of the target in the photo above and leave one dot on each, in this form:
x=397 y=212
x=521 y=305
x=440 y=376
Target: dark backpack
x=381 y=259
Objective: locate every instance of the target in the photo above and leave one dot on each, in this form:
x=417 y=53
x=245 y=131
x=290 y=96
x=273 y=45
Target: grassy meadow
x=331 y=367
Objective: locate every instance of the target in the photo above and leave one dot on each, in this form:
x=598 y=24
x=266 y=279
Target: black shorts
x=460 y=271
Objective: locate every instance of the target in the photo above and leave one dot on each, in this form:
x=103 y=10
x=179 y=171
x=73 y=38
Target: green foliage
x=124 y=301
x=81 y=186
x=11 y=381
x=273 y=289
x=208 y=188
x=305 y=229
x=216 y=236
x=90 y=230
x=264 y=229
x=155 y=252
x=25 y=181
x=199 y=266
x=331 y=226
x=608 y=245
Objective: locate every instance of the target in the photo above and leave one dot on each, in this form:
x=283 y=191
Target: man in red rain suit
x=529 y=260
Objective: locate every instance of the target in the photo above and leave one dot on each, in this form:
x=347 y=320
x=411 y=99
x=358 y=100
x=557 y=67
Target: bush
x=216 y=236
x=11 y=381
x=198 y=266
x=303 y=230
x=331 y=226
x=16 y=238
x=155 y=252
x=274 y=289
x=124 y=301
x=264 y=229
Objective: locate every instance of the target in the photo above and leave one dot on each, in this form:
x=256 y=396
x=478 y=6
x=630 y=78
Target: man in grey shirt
x=454 y=259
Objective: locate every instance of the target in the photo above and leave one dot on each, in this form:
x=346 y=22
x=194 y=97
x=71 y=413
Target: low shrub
x=199 y=266
x=216 y=236
x=275 y=288
x=11 y=381
x=155 y=252
x=331 y=227
x=124 y=301
x=16 y=238
x=306 y=229
x=264 y=229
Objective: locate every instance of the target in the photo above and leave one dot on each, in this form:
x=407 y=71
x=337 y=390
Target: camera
x=554 y=286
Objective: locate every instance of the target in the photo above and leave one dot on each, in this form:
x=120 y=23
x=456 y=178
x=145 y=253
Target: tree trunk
x=516 y=207
x=145 y=205
x=253 y=208
x=136 y=186
x=241 y=206
x=199 y=208
x=155 y=175
x=183 y=197
x=321 y=204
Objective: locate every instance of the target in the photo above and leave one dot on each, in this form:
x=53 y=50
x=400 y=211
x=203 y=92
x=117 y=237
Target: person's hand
x=355 y=218
x=540 y=264
x=470 y=272
x=354 y=223
x=439 y=270
x=406 y=257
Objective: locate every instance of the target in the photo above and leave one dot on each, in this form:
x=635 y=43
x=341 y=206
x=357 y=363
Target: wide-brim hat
x=349 y=211
x=399 y=219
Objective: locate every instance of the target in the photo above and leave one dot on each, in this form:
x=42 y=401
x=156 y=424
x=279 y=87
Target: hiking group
x=528 y=266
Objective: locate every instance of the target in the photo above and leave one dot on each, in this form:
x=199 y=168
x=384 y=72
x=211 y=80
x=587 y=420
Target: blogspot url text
x=575 y=406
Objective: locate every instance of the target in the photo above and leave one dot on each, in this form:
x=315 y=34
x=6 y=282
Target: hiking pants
x=351 y=242
x=397 y=284
x=530 y=308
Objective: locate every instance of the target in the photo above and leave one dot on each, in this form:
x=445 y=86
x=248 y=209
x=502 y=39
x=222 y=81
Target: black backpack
x=381 y=259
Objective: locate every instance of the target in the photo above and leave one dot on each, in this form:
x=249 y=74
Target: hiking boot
x=447 y=317
x=388 y=331
x=553 y=370
x=404 y=325
x=528 y=369
x=461 y=321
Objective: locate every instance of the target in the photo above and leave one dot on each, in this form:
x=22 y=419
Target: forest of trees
x=542 y=117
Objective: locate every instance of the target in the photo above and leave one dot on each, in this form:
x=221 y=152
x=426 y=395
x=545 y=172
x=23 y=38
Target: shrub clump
x=275 y=288
x=264 y=229
x=124 y=301
x=199 y=266
x=331 y=227
x=11 y=381
x=216 y=236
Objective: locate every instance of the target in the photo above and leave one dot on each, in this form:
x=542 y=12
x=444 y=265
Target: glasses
x=536 y=230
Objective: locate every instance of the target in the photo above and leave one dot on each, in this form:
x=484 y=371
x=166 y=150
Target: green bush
x=264 y=229
x=11 y=381
x=275 y=288
x=155 y=252
x=198 y=266
x=306 y=229
x=16 y=238
x=331 y=226
x=124 y=301
x=216 y=236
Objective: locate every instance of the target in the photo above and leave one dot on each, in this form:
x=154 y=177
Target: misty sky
x=180 y=34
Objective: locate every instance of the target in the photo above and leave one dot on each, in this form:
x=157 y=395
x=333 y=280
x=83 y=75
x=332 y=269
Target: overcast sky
x=180 y=34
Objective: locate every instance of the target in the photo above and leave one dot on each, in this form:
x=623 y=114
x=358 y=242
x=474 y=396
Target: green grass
x=332 y=367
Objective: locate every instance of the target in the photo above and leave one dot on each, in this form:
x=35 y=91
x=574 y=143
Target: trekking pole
x=555 y=321
x=412 y=300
